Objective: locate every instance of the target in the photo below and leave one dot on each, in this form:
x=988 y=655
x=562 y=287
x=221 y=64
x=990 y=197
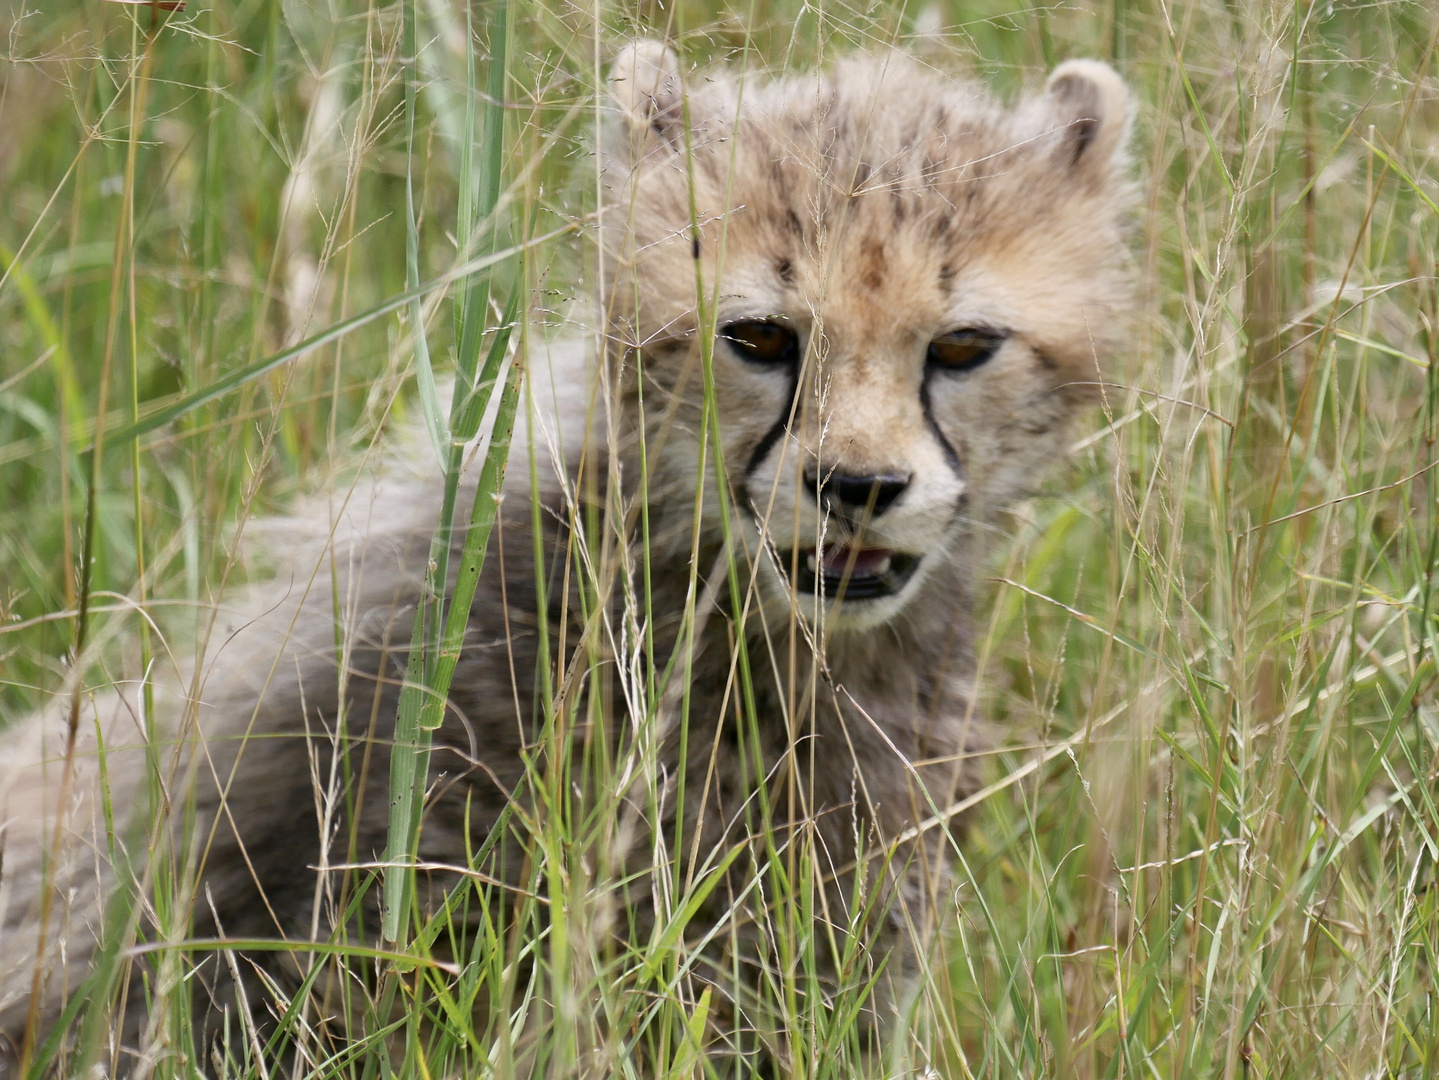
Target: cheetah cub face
x=899 y=291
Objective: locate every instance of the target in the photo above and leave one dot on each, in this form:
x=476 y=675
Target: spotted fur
x=866 y=212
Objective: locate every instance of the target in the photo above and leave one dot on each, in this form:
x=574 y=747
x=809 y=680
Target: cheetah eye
x=963 y=350
x=762 y=341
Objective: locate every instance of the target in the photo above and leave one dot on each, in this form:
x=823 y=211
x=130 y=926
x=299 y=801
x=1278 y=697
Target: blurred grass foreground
x=1208 y=846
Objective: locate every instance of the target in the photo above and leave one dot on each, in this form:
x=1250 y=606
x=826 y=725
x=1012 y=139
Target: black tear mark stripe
x=780 y=426
x=949 y=452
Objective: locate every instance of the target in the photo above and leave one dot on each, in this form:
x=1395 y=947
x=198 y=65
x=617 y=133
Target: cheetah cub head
x=897 y=291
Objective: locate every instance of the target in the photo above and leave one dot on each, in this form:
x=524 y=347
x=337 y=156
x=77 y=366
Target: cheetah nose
x=856 y=496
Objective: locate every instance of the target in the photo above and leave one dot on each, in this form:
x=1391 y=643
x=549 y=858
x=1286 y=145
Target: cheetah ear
x=647 y=92
x=1089 y=103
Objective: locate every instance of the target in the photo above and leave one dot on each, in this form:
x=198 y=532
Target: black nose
x=856 y=496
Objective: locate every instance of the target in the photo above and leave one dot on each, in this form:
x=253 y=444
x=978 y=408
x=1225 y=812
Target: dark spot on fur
x=872 y=264
x=896 y=203
x=785 y=269
x=946 y=277
x=1046 y=361
x=667 y=346
x=792 y=219
x=933 y=167
x=861 y=174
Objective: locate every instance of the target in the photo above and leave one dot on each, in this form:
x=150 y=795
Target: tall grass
x=1207 y=848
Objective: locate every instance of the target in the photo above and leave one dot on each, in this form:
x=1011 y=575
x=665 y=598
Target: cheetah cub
x=846 y=320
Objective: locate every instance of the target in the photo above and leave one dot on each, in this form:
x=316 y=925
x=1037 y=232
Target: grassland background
x=1211 y=843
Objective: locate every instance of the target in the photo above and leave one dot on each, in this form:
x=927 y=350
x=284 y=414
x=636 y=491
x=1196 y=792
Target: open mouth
x=855 y=573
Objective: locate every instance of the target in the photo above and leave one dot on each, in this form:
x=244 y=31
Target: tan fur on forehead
x=879 y=179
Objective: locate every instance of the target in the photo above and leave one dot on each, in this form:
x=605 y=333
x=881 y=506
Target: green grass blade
x=472 y=560
x=250 y=372
x=424 y=373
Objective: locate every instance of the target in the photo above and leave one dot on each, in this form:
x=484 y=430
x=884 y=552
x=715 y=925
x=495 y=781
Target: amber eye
x=763 y=341
x=963 y=350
